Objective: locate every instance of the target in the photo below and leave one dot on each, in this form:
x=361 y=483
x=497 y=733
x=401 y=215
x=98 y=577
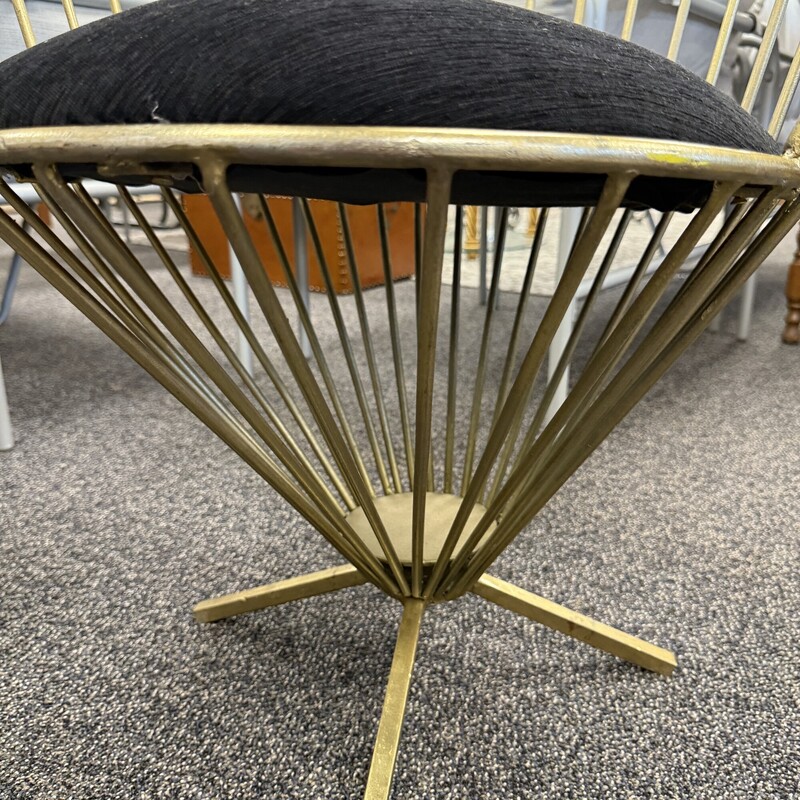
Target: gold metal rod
x=104 y=238
x=522 y=304
x=418 y=247
x=180 y=145
x=230 y=432
x=677 y=31
x=636 y=278
x=387 y=742
x=215 y=183
x=419 y=238
x=607 y=357
x=764 y=52
x=483 y=352
x=452 y=360
x=787 y=93
x=146 y=329
x=588 y=385
x=578 y=626
x=430 y=282
x=369 y=350
x=577 y=330
x=735 y=213
x=259 y=352
x=346 y=345
x=117 y=299
x=580 y=12
x=511 y=357
x=38 y=226
x=512 y=437
x=228 y=351
x=107 y=234
x=69 y=10
x=24 y=22
x=723 y=37
x=631 y=385
x=116 y=6
x=580 y=258
x=547 y=474
x=275 y=594
x=627 y=22
x=394 y=335
x=313 y=340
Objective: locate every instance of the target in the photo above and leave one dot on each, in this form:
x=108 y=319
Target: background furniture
x=366 y=240
x=791 y=333
x=46 y=18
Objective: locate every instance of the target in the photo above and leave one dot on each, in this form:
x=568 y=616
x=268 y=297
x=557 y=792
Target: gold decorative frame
x=405 y=513
x=407 y=523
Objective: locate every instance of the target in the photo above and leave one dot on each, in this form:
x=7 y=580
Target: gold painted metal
x=627 y=22
x=396 y=511
x=24 y=22
x=578 y=626
x=399 y=518
x=387 y=742
x=69 y=10
x=723 y=38
x=406 y=514
x=677 y=32
x=322 y=582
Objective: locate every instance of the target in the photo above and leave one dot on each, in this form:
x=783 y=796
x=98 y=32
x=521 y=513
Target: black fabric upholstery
x=438 y=63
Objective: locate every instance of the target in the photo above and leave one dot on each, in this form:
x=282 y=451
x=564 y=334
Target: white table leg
x=241 y=295
x=570 y=220
x=6 y=434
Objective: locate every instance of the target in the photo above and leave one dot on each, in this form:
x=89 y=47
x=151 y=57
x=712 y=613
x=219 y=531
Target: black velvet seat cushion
x=438 y=63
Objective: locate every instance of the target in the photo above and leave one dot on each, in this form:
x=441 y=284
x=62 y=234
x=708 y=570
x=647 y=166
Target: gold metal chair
x=387 y=487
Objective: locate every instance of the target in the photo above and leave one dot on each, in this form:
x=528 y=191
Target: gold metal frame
x=401 y=512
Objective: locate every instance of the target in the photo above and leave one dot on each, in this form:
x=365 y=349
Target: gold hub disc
x=395 y=512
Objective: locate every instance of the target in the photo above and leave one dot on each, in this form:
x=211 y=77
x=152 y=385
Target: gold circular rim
x=450 y=150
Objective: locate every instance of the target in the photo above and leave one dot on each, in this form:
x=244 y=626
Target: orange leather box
x=363 y=222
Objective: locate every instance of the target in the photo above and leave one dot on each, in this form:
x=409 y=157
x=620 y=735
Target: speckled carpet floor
x=118 y=511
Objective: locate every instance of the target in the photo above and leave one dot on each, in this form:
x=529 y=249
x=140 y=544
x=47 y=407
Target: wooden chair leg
x=791 y=333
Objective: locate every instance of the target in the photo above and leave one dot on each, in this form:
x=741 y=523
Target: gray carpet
x=118 y=511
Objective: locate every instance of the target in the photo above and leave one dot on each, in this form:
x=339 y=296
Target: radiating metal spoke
x=483 y=352
x=768 y=40
x=367 y=341
x=346 y=346
x=24 y=22
x=452 y=361
x=314 y=343
x=255 y=345
x=430 y=281
x=723 y=37
x=513 y=408
x=214 y=175
x=394 y=328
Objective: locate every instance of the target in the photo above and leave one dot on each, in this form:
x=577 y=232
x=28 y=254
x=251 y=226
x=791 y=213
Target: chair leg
x=6 y=432
x=11 y=285
x=387 y=742
x=791 y=333
x=274 y=594
x=746 y=309
x=578 y=626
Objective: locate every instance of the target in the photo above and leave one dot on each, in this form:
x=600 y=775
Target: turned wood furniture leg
x=791 y=333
